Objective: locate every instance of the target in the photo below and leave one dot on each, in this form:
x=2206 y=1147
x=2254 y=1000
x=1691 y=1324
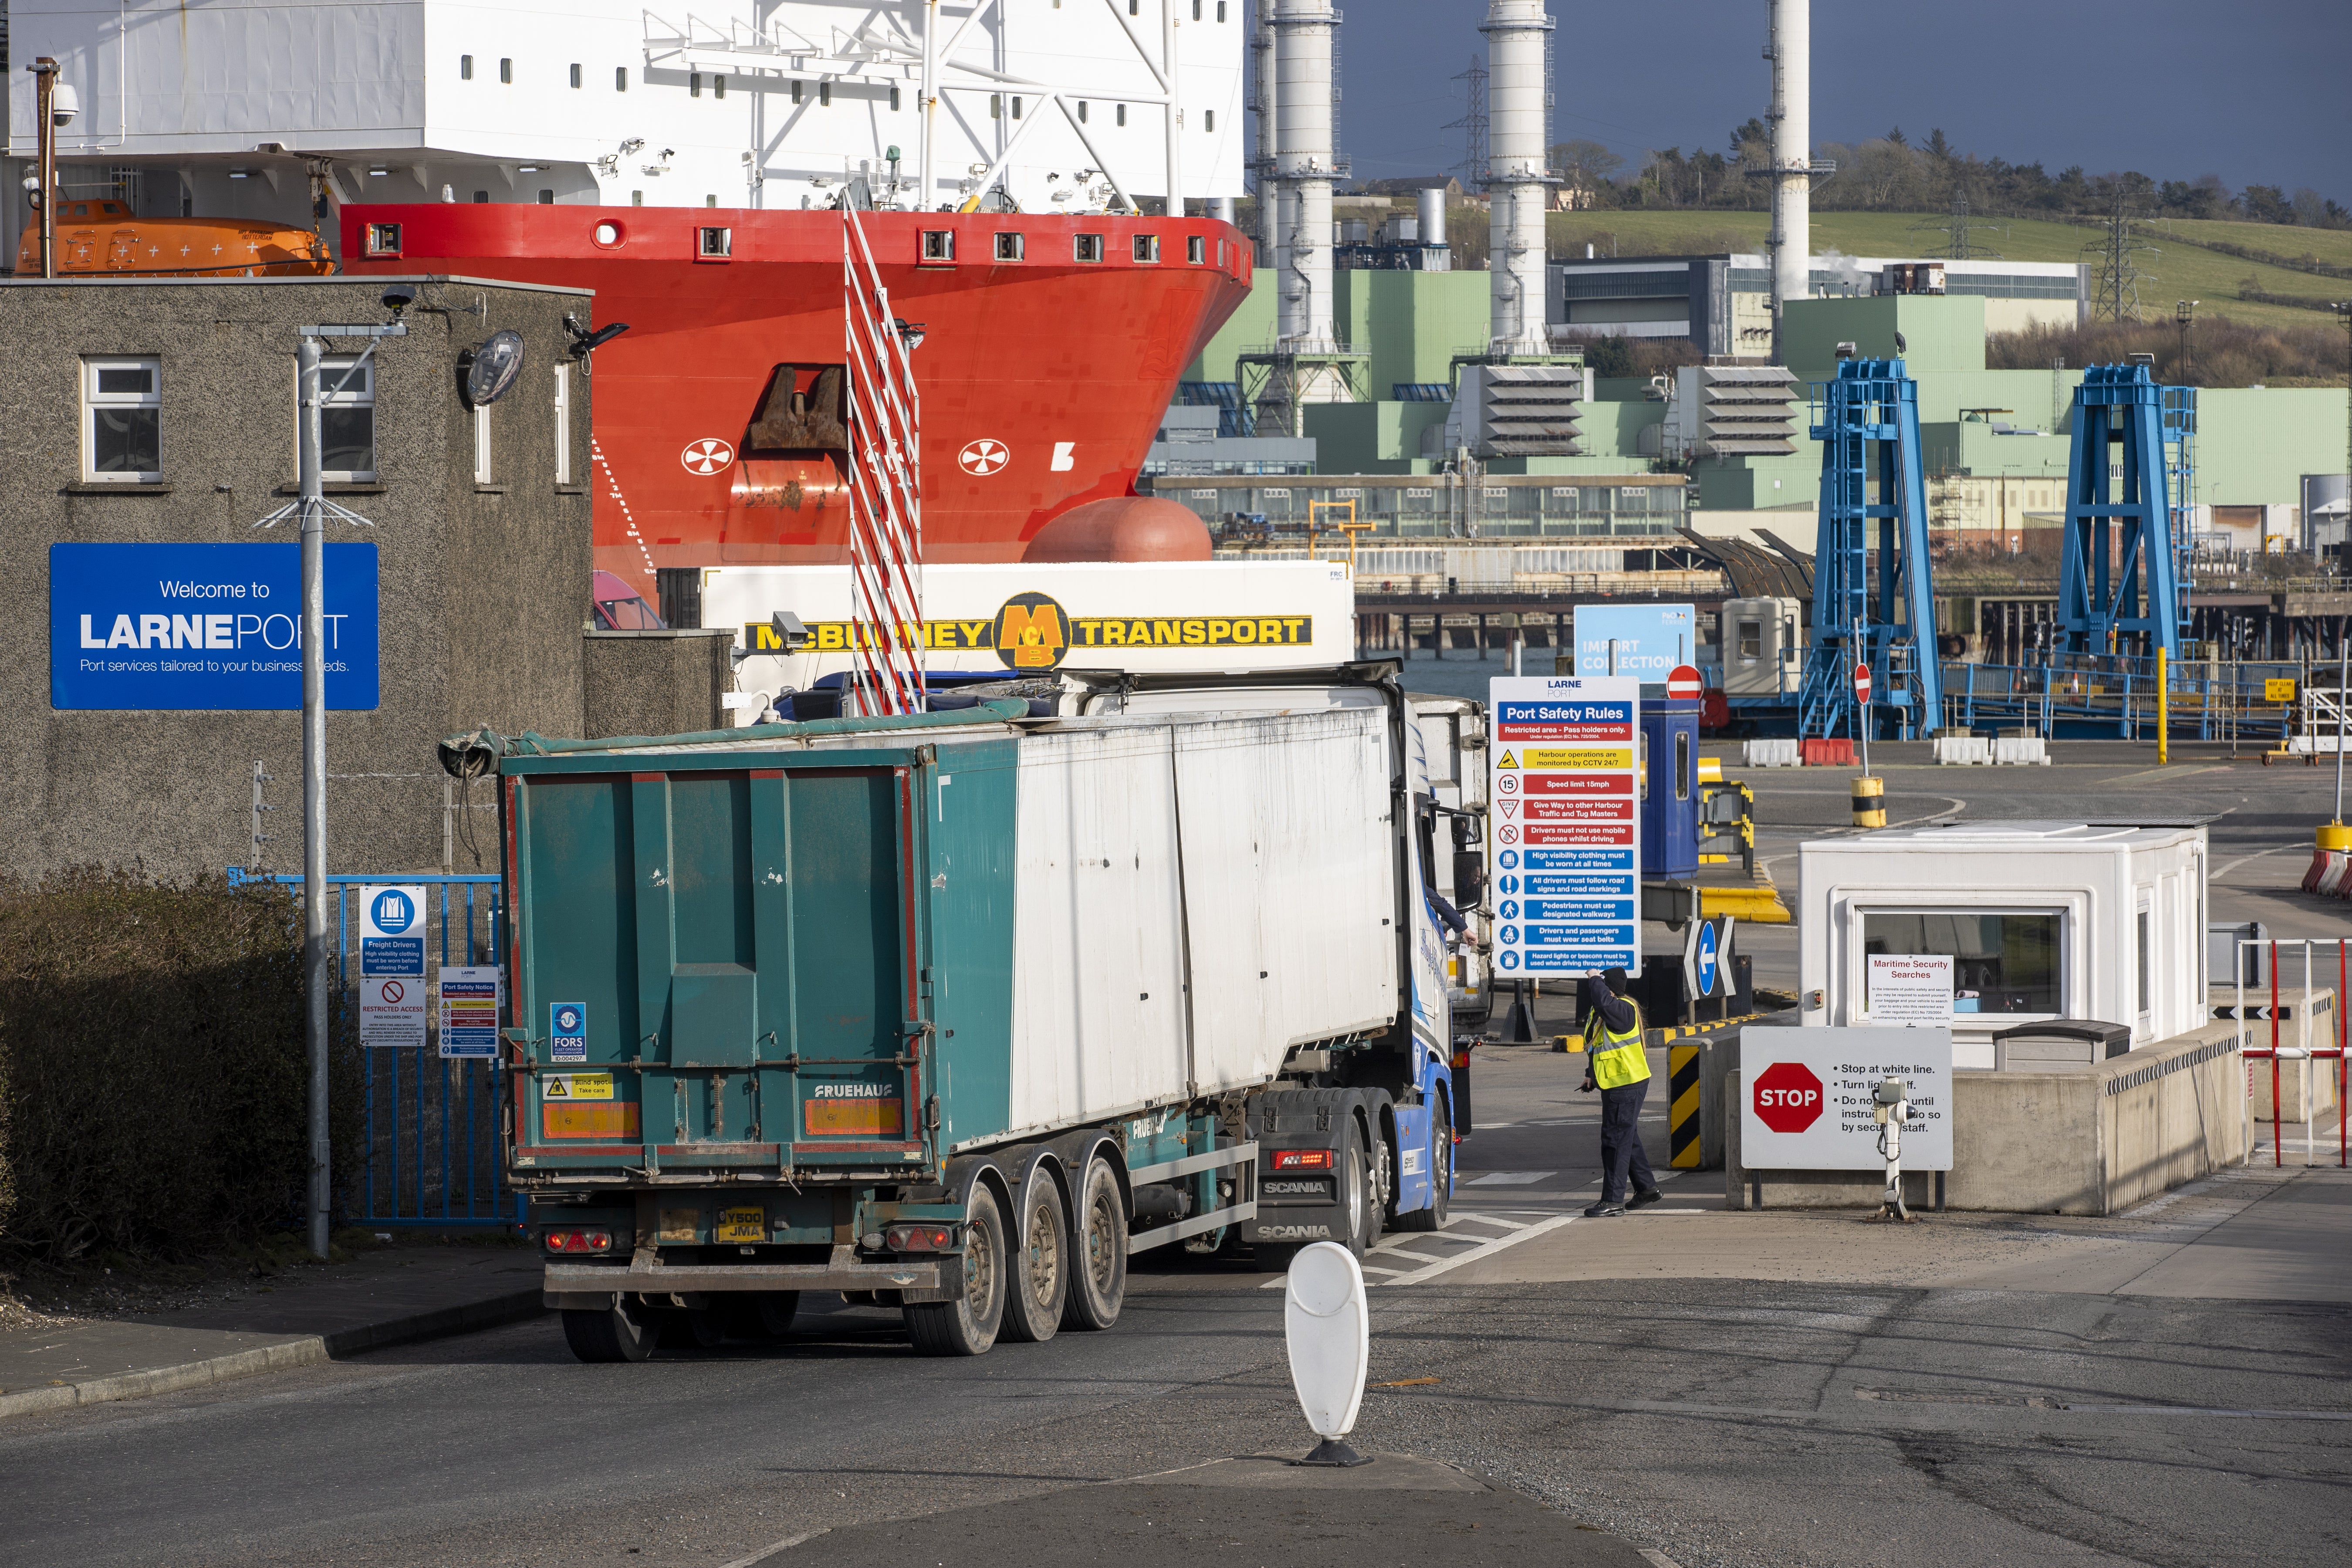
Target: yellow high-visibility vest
x=1618 y=1057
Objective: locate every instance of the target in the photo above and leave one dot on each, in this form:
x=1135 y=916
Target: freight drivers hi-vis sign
x=1562 y=825
x=1155 y=617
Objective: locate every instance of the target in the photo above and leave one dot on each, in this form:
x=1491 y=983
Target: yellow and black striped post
x=1869 y=802
x=1681 y=1113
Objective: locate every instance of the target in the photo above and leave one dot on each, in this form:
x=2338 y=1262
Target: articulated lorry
x=955 y=1013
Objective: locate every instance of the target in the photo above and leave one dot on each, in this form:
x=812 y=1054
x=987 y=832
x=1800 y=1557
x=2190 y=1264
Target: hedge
x=153 y=1074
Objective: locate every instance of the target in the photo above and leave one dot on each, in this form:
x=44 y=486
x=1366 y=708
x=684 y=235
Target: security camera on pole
x=310 y=510
x=55 y=106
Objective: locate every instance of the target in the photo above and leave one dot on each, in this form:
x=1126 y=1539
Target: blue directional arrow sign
x=1710 y=954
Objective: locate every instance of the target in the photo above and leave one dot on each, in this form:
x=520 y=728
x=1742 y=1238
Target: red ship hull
x=1064 y=367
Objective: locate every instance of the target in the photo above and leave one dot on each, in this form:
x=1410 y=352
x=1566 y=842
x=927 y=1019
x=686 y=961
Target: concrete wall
x=483 y=589
x=2093 y=1142
x=656 y=683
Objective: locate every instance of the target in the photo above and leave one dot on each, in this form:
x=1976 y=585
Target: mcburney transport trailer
x=954 y=1012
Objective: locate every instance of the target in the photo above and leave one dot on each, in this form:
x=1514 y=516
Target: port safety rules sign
x=1562 y=825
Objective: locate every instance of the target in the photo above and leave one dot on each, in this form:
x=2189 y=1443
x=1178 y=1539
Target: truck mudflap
x=581 y=1286
x=1305 y=1136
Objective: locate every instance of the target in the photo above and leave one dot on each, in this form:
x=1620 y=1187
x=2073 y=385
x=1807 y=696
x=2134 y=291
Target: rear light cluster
x=1302 y=1159
x=919 y=1239
x=571 y=1241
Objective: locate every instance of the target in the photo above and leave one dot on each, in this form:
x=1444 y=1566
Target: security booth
x=1670 y=793
x=2036 y=920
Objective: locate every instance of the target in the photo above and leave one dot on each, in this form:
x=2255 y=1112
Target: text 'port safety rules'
x=1564 y=828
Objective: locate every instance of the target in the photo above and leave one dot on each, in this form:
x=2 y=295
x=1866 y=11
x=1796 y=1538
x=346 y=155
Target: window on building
x=796 y=92
x=1751 y=640
x=1196 y=10
x=122 y=420
x=482 y=445
x=481 y=196
x=2001 y=962
x=563 y=424
x=1221 y=10
x=575 y=75
x=719 y=86
x=636 y=198
x=1121 y=116
x=1016 y=108
x=1082 y=111
x=1135 y=7
x=620 y=78
x=694 y=84
x=505 y=72
x=1088 y=247
x=996 y=106
x=346 y=419
x=546 y=198
x=465 y=68
x=2146 y=979
x=894 y=97
x=825 y=95
x=1209 y=120
x=1147 y=247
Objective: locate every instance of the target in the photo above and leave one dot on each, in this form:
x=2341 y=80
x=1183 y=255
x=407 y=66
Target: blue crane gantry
x=1891 y=625
x=2126 y=514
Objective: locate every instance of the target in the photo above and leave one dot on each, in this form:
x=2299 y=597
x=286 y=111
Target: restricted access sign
x=1561 y=823
x=1805 y=1097
x=392 y=966
x=1861 y=682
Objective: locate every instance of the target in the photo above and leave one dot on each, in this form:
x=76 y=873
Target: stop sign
x=1683 y=683
x=1862 y=683
x=1788 y=1097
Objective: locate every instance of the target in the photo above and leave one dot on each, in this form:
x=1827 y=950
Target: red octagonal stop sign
x=1788 y=1097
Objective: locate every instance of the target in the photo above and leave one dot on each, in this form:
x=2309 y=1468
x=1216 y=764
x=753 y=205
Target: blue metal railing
x=430 y=1133
x=2098 y=691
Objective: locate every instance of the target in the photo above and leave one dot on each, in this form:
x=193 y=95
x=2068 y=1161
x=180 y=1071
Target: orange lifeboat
x=102 y=239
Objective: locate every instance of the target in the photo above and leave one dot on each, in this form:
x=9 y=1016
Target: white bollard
x=1328 y=1328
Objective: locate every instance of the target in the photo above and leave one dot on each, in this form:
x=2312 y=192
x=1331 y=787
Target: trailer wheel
x=1097 y=1251
x=1363 y=1200
x=1038 y=1281
x=1441 y=1173
x=968 y=1325
x=614 y=1334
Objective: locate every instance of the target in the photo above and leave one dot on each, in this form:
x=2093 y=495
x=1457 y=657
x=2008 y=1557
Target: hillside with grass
x=2184 y=264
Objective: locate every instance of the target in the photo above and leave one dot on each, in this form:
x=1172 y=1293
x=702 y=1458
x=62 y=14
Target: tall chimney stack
x=1791 y=50
x=1305 y=161
x=1517 y=100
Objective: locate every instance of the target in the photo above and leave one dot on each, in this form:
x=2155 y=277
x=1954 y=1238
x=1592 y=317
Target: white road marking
x=1509 y=1178
x=767 y=1551
x=1488 y=1251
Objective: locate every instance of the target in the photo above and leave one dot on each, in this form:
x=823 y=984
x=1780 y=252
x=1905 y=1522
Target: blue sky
x=2257 y=91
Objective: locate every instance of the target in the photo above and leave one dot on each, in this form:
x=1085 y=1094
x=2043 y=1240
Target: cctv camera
x=398 y=297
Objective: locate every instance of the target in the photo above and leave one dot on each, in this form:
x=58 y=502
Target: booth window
x=2147 y=981
x=2005 y=962
x=563 y=424
x=346 y=419
x=122 y=420
x=1751 y=640
x=1681 y=764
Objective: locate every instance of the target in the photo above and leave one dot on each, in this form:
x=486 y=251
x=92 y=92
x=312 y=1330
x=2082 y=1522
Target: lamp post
x=54 y=106
x=309 y=511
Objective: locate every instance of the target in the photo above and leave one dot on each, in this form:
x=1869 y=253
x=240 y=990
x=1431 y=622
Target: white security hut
x=2041 y=920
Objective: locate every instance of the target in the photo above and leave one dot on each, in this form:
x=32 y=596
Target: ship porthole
x=607 y=235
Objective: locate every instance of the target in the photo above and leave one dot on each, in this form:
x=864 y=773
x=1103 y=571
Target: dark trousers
x=1620 y=1142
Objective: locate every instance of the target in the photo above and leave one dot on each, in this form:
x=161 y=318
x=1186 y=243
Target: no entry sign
x=1805 y=1097
x=1862 y=683
x=1683 y=684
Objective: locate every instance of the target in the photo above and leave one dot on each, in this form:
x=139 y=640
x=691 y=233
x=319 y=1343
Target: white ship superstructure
x=233 y=109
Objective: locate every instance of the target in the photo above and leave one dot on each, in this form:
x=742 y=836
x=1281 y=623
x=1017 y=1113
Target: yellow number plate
x=742 y=1225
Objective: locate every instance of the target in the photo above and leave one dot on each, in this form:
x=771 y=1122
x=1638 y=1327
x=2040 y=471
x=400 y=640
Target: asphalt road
x=1725 y=1389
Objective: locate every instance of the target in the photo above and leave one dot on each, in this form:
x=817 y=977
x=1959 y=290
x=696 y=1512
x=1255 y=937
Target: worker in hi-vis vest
x=1615 y=1062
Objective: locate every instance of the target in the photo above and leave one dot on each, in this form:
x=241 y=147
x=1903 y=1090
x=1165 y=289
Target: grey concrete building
x=141 y=417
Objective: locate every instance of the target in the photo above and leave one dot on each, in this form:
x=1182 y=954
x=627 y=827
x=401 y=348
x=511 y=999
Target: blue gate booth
x=1670 y=798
